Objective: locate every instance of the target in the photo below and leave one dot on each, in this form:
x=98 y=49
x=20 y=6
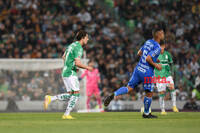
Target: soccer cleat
x=47 y=101
x=175 y=109
x=149 y=116
x=108 y=99
x=163 y=113
x=68 y=117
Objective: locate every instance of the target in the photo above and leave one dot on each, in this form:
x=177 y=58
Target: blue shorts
x=138 y=77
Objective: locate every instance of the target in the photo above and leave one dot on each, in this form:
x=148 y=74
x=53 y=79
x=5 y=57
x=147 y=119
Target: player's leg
x=74 y=85
x=161 y=87
x=148 y=88
x=98 y=97
x=88 y=101
x=89 y=94
x=147 y=104
x=71 y=104
x=124 y=90
x=120 y=91
x=173 y=93
x=62 y=97
x=162 y=102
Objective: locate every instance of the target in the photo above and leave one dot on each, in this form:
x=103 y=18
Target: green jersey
x=165 y=60
x=73 y=51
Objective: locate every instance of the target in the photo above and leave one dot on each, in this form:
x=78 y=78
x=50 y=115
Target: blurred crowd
x=28 y=86
x=43 y=28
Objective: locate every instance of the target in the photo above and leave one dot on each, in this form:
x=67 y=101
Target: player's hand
x=158 y=66
x=89 y=68
x=158 y=61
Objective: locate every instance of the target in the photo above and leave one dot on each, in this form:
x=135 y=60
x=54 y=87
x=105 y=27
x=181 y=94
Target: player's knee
x=129 y=89
x=162 y=92
x=148 y=93
x=76 y=92
x=171 y=86
x=97 y=96
x=70 y=92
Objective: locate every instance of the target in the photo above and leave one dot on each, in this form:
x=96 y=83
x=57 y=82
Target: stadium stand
x=43 y=28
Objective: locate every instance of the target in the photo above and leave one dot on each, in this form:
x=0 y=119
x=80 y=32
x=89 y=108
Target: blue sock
x=147 y=104
x=121 y=91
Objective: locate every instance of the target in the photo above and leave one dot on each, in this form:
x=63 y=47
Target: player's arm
x=63 y=57
x=170 y=60
x=77 y=55
x=155 y=65
x=139 y=54
x=150 y=60
x=80 y=65
x=84 y=74
x=98 y=76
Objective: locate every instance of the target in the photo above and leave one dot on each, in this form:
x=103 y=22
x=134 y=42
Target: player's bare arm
x=155 y=65
x=139 y=53
x=80 y=65
x=63 y=57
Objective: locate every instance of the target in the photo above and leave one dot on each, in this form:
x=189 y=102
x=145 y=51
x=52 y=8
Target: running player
x=165 y=59
x=72 y=60
x=145 y=68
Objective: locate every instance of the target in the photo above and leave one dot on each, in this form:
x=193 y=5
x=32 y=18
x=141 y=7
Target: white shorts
x=163 y=86
x=71 y=83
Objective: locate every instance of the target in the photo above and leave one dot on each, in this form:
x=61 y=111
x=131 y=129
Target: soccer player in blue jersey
x=148 y=53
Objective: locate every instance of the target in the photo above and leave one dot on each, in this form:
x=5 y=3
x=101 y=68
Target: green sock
x=162 y=102
x=72 y=102
x=173 y=97
x=61 y=97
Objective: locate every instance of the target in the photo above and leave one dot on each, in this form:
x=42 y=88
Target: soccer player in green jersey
x=72 y=60
x=165 y=59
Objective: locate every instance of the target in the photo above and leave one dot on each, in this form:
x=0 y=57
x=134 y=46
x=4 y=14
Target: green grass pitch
x=108 y=122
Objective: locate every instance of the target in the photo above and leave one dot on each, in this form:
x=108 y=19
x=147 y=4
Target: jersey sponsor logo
x=156 y=80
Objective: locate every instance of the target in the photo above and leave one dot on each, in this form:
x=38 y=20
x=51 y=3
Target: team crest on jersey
x=166 y=57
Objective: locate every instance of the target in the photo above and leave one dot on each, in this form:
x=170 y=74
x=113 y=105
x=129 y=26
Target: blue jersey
x=143 y=68
x=151 y=48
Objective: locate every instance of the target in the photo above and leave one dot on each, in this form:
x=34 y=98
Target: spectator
x=42 y=29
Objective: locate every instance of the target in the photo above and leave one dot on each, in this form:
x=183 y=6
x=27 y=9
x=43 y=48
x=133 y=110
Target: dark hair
x=80 y=35
x=162 y=42
x=156 y=28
